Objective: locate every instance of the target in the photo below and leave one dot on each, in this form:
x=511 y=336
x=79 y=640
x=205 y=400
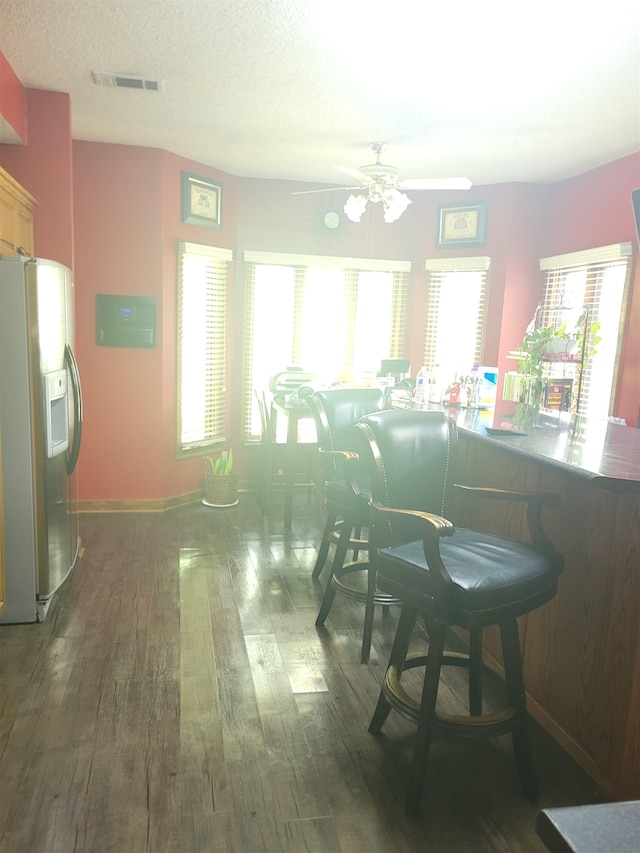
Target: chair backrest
x=265 y=417
x=411 y=457
x=336 y=411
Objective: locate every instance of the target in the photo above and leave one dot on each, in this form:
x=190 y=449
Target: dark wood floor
x=179 y=698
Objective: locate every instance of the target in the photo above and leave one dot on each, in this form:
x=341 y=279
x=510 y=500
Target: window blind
x=201 y=321
x=457 y=294
x=335 y=317
x=590 y=287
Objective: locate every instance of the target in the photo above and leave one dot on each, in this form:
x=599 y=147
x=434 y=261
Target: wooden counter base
x=582 y=650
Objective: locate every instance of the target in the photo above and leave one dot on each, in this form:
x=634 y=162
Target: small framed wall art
x=462 y=226
x=201 y=201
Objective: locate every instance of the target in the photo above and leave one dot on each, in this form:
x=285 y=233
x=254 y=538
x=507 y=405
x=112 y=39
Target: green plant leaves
x=222 y=464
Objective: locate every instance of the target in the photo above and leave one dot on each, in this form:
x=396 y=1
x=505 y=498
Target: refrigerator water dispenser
x=56 y=412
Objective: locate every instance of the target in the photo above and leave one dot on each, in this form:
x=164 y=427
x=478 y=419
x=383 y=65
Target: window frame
x=437 y=269
x=213 y=311
x=594 y=263
x=301 y=264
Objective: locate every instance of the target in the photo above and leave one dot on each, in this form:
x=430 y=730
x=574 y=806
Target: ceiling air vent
x=127 y=81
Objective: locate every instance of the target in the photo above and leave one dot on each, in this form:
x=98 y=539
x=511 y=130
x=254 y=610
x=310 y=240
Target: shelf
x=552 y=356
x=562 y=357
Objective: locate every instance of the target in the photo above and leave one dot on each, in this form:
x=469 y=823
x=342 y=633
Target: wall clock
x=328 y=221
x=332 y=220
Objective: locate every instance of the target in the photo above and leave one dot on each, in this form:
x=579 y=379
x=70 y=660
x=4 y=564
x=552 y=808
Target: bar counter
x=582 y=650
x=607 y=455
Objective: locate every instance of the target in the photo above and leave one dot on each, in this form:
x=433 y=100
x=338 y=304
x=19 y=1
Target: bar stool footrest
x=352 y=592
x=482 y=725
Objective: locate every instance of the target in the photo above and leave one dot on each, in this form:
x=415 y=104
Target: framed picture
x=462 y=225
x=201 y=201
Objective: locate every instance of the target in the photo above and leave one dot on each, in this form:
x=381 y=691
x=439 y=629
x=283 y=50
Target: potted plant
x=220 y=480
x=541 y=346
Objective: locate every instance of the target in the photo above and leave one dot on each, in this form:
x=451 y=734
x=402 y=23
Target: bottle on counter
x=421 y=392
x=452 y=394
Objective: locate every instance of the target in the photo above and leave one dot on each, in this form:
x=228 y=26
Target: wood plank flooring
x=179 y=699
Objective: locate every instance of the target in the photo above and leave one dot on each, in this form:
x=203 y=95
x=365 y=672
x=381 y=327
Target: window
x=456 y=315
x=335 y=317
x=202 y=289
x=594 y=282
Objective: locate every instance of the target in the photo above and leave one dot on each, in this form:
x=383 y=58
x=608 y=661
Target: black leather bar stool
x=453 y=577
x=347 y=501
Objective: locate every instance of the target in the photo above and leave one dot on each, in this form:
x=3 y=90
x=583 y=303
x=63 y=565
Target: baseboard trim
x=162 y=504
x=156 y=505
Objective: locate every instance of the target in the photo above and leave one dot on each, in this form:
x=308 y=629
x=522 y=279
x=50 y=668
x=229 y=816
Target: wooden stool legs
x=513 y=719
x=325 y=542
x=517 y=700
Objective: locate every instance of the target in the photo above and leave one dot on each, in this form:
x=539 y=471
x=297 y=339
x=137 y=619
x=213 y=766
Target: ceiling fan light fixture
x=355 y=206
x=395 y=203
x=381 y=183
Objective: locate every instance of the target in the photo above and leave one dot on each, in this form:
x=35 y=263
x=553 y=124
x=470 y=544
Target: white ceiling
x=291 y=88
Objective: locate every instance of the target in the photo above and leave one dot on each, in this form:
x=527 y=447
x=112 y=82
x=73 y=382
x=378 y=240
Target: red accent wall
x=121 y=207
x=595 y=209
x=127 y=202
x=13 y=102
x=44 y=168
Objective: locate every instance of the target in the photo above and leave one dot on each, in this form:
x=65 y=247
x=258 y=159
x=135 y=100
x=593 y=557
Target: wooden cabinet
x=16 y=217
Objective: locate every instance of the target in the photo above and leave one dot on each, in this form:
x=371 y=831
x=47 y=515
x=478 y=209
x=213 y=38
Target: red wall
x=595 y=209
x=128 y=212
x=121 y=205
x=13 y=102
x=272 y=219
x=44 y=168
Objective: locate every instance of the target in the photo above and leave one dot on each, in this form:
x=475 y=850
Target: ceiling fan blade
x=324 y=190
x=435 y=184
x=354 y=173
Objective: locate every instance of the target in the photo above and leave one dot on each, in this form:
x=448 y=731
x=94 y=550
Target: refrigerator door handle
x=74 y=450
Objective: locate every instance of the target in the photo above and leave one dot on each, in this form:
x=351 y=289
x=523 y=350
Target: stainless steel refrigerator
x=40 y=430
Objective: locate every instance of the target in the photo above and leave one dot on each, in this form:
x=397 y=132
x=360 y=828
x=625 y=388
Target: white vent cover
x=127 y=81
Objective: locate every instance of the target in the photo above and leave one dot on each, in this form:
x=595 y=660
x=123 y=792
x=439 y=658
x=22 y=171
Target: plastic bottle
x=435 y=388
x=421 y=394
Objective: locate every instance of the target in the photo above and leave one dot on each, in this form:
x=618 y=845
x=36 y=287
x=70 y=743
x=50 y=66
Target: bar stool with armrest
x=335 y=412
x=453 y=577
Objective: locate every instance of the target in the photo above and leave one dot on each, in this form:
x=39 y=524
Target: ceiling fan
x=383 y=183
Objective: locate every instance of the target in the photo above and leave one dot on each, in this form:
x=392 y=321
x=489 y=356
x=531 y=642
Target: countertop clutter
x=604 y=453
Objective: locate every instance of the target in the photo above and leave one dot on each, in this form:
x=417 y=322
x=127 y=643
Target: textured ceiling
x=292 y=88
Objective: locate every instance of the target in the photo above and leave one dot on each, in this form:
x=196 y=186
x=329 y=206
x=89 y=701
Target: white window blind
x=335 y=317
x=202 y=295
x=457 y=292
x=591 y=286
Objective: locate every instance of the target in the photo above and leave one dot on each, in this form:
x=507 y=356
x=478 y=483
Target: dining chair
x=455 y=578
x=346 y=499
x=276 y=453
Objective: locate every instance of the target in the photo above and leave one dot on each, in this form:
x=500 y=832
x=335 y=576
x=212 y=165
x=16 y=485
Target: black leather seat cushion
x=489 y=573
